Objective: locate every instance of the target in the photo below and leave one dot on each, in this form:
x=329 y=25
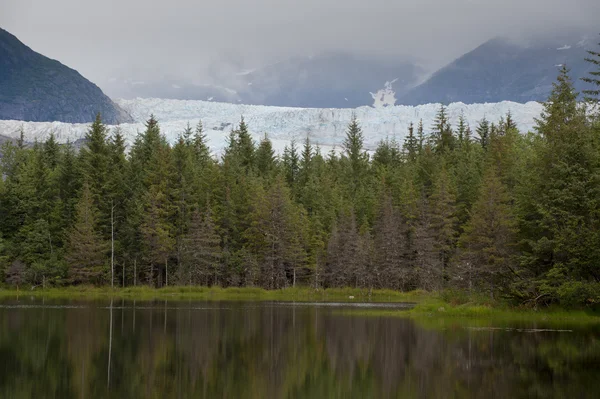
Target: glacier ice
x=325 y=126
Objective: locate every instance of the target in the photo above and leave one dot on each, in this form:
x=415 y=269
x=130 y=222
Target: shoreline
x=430 y=308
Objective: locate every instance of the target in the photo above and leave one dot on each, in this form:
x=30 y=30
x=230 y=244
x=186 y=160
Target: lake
x=192 y=349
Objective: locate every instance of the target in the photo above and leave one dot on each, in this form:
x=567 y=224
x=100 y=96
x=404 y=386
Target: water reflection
x=254 y=350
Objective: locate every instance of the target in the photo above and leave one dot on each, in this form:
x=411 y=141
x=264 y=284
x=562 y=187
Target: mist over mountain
x=501 y=69
x=36 y=88
x=504 y=70
x=328 y=80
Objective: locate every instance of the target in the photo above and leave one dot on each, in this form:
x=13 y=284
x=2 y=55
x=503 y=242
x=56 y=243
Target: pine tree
x=353 y=146
x=94 y=161
x=593 y=94
x=157 y=233
x=411 y=144
x=391 y=259
x=265 y=157
x=483 y=130
x=86 y=251
x=276 y=236
x=51 y=150
x=442 y=135
x=291 y=164
x=487 y=247
x=202 y=254
x=463 y=133
x=563 y=220
x=69 y=184
x=245 y=145
x=444 y=223
x=342 y=253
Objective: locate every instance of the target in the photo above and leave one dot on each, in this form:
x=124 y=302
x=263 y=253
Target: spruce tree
x=265 y=157
x=563 y=220
x=442 y=135
x=291 y=164
x=86 y=250
x=444 y=223
x=483 y=130
x=202 y=254
x=593 y=93
x=411 y=144
x=488 y=244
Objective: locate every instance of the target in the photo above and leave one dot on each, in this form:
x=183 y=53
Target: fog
x=200 y=39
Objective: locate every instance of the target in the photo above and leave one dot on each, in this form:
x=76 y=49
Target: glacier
x=324 y=126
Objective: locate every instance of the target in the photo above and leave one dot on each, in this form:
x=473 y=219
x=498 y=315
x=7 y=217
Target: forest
x=485 y=209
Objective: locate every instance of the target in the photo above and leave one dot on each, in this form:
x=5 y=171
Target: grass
x=435 y=310
x=220 y=294
x=442 y=311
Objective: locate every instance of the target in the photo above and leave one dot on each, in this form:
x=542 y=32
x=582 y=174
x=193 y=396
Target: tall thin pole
x=112 y=244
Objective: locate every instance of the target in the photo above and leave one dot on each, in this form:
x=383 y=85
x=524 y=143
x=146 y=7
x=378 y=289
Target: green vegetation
x=221 y=294
x=512 y=216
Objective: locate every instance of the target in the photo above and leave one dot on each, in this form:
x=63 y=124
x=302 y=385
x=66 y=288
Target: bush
x=577 y=293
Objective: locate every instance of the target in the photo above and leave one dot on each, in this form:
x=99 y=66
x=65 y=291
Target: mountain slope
x=36 y=88
x=500 y=70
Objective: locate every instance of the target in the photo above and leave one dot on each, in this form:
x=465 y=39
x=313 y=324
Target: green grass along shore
x=437 y=309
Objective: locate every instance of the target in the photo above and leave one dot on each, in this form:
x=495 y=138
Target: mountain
x=329 y=80
x=36 y=88
x=502 y=70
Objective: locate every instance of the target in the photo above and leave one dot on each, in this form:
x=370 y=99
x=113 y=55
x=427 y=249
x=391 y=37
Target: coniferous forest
x=482 y=208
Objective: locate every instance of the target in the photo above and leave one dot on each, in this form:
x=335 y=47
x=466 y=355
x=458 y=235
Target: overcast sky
x=179 y=37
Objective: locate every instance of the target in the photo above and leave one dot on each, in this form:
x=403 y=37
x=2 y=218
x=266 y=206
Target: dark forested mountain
x=36 y=88
x=330 y=80
x=502 y=70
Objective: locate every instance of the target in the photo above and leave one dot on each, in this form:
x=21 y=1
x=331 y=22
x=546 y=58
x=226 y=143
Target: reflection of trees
x=263 y=351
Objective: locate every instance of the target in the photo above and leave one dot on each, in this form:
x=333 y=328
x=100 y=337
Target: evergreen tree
x=291 y=164
x=201 y=148
x=157 y=233
x=265 y=157
x=444 y=223
x=563 y=220
x=353 y=146
x=487 y=247
x=593 y=94
x=202 y=254
x=420 y=137
x=245 y=145
x=483 y=130
x=442 y=135
x=86 y=251
x=411 y=144
x=94 y=163
x=276 y=237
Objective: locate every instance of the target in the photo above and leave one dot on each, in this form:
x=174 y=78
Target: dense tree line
x=493 y=210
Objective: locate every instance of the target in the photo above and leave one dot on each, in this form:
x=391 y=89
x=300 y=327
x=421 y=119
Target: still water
x=179 y=349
